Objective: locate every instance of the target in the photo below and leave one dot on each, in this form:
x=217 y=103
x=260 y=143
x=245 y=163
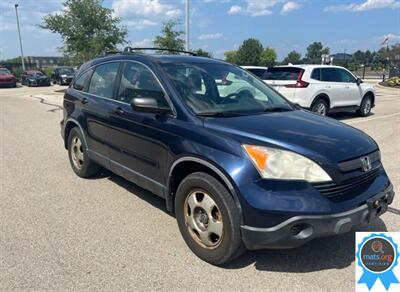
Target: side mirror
x=148 y=105
x=359 y=81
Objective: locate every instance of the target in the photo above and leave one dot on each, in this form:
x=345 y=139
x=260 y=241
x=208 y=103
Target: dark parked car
x=246 y=169
x=7 y=79
x=63 y=75
x=34 y=78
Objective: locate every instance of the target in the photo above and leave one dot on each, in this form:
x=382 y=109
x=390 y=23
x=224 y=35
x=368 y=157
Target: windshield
x=282 y=73
x=66 y=71
x=37 y=73
x=4 y=71
x=211 y=89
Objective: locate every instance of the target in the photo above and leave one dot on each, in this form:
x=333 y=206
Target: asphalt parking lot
x=60 y=232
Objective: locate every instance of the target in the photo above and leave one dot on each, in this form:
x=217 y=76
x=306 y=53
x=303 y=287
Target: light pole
x=187 y=25
x=20 y=41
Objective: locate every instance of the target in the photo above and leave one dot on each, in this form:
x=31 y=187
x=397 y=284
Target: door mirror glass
x=359 y=81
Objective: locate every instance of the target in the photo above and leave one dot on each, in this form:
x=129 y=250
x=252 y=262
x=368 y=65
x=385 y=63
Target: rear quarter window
x=316 y=74
x=282 y=73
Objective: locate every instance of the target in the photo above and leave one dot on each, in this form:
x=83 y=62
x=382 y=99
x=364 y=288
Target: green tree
x=293 y=57
x=249 y=52
x=315 y=51
x=202 y=53
x=170 y=38
x=231 y=57
x=359 y=57
x=268 y=57
x=86 y=28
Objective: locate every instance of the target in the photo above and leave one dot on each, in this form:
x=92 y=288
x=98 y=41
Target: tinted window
x=330 y=75
x=258 y=72
x=336 y=75
x=282 y=73
x=316 y=74
x=4 y=71
x=103 y=80
x=138 y=81
x=346 y=76
x=79 y=83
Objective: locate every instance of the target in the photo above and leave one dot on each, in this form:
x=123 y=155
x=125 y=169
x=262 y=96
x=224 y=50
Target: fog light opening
x=301 y=231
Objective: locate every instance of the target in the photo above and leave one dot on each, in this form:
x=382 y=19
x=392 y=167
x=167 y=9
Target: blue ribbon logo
x=377 y=259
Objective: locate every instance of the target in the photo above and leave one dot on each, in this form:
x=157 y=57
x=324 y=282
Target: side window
x=103 y=80
x=79 y=83
x=346 y=76
x=330 y=75
x=316 y=74
x=138 y=81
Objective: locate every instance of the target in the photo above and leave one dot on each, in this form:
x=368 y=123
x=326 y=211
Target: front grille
x=355 y=164
x=332 y=190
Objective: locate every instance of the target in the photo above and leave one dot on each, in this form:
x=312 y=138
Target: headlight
x=280 y=164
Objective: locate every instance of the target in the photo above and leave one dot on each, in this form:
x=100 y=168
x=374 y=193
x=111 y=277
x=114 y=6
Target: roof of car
x=310 y=66
x=254 y=67
x=32 y=71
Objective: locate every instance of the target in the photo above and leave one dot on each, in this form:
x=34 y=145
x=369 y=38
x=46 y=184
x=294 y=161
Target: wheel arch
x=69 y=125
x=184 y=166
x=322 y=96
x=372 y=94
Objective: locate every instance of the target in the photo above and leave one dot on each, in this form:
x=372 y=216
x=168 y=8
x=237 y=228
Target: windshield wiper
x=220 y=114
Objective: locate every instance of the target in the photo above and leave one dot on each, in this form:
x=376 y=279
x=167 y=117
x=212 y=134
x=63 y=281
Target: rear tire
x=81 y=164
x=365 y=107
x=320 y=107
x=208 y=219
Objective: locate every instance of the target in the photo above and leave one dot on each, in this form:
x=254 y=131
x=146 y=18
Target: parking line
x=372 y=119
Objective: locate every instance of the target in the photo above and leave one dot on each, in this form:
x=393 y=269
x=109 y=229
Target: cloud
x=254 y=7
x=211 y=36
x=144 y=8
x=139 y=23
x=147 y=42
x=290 y=6
x=235 y=9
x=367 y=5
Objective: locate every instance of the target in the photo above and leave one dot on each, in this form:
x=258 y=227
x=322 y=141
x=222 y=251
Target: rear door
x=283 y=79
x=97 y=105
x=333 y=85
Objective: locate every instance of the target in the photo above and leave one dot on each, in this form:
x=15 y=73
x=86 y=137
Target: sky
x=221 y=25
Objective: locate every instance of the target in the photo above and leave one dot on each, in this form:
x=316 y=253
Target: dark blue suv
x=239 y=165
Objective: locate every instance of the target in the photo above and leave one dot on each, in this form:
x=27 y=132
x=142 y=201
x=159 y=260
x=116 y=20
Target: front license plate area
x=378 y=204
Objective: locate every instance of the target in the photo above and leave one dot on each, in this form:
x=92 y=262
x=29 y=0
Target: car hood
x=320 y=138
x=37 y=77
x=6 y=76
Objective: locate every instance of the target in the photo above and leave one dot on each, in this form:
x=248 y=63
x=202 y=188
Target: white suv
x=322 y=88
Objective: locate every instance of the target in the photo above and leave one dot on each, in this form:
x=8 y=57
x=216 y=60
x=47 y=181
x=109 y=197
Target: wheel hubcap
x=77 y=152
x=320 y=109
x=367 y=106
x=203 y=219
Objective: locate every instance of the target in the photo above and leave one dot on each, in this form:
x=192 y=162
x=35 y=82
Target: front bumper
x=299 y=229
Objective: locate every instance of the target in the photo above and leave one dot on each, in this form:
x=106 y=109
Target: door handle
x=118 y=111
x=84 y=100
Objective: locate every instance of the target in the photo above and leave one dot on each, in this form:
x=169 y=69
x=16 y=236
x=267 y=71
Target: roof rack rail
x=130 y=50
x=112 y=52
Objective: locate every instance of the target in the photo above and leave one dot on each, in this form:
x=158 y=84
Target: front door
x=139 y=141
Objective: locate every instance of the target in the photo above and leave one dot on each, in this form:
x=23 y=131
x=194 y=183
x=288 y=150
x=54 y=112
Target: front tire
x=81 y=164
x=208 y=219
x=365 y=107
x=320 y=107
